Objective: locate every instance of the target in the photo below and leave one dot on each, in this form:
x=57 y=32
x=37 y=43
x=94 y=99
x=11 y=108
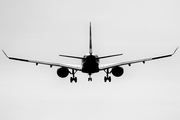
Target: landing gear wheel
x=90 y=79
x=107 y=79
x=73 y=79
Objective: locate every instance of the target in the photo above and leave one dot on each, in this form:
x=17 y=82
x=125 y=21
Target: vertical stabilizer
x=90 y=40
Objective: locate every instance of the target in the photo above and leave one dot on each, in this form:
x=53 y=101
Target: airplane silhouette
x=90 y=64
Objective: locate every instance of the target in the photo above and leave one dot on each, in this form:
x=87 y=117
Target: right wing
x=135 y=61
x=44 y=63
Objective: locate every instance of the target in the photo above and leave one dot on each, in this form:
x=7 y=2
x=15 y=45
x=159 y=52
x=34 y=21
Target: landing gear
x=90 y=78
x=107 y=77
x=73 y=78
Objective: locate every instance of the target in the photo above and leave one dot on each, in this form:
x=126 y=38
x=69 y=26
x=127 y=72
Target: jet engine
x=62 y=72
x=117 y=71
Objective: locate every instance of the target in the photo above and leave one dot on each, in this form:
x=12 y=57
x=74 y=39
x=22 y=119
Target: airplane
x=90 y=64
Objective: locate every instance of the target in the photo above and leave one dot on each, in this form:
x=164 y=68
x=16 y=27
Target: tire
x=75 y=79
x=105 y=79
x=109 y=79
x=71 y=79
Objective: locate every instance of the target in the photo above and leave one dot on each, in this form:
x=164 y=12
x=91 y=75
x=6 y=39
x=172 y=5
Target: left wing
x=136 y=61
x=44 y=63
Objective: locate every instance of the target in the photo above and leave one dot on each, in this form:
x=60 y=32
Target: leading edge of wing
x=44 y=63
x=136 y=61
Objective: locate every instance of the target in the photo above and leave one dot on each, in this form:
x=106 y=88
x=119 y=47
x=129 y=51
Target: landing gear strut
x=73 y=78
x=107 y=77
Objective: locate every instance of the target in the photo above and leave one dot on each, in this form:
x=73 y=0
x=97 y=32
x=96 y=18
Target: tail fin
x=90 y=40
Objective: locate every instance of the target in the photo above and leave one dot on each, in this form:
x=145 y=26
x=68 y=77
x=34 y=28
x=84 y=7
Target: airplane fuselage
x=90 y=64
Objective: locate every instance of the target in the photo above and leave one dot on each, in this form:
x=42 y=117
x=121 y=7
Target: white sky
x=43 y=29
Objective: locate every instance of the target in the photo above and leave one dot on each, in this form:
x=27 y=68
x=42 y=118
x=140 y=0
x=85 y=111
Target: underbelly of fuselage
x=90 y=67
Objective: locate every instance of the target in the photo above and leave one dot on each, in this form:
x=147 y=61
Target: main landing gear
x=73 y=78
x=107 y=77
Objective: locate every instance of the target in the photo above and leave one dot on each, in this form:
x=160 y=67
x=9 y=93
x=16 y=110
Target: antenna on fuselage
x=90 y=40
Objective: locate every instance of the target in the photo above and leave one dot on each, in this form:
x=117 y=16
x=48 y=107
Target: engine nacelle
x=62 y=72
x=117 y=71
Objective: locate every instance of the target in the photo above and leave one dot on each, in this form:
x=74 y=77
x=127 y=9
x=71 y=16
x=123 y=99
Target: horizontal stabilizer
x=71 y=56
x=110 y=56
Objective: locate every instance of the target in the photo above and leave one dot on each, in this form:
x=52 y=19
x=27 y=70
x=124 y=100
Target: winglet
x=175 y=51
x=5 y=54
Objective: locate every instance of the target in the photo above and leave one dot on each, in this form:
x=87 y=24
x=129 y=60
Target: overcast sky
x=43 y=29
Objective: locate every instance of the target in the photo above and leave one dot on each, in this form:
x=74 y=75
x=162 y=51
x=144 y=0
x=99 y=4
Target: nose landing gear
x=90 y=78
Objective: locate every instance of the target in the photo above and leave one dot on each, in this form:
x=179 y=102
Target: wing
x=135 y=61
x=44 y=63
